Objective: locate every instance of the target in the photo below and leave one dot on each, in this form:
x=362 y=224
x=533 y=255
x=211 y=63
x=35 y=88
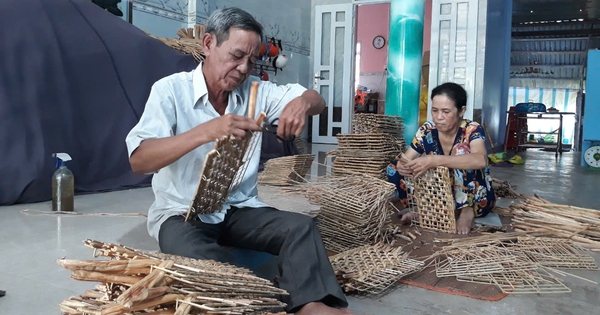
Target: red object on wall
x=513 y=126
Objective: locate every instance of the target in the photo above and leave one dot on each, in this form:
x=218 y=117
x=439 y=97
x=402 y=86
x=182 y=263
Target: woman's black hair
x=453 y=91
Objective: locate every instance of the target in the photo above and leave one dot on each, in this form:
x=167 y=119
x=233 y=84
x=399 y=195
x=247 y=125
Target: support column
x=405 y=53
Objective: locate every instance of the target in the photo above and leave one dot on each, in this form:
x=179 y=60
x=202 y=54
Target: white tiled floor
x=35 y=284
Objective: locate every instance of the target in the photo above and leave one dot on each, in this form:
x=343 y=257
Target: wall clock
x=378 y=42
x=592 y=156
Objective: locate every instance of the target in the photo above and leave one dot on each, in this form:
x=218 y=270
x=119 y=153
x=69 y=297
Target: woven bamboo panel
x=536 y=281
x=301 y=145
x=435 y=200
x=355 y=210
x=372 y=269
x=377 y=123
x=223 y=170
x=364 y=154
x=372 y=166
x=365 y=145
x=287 y=170
x=557 y=253
x=480 y=261
x=515 y=262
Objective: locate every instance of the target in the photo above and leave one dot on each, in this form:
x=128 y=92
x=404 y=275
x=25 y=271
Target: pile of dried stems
x=372 y=269
x=184 y=45
x=536 y=214
x=503 y=189
x=287 y=170
x=135 y=282
x=518 y=263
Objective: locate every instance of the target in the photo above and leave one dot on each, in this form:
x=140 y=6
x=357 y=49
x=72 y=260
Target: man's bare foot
x=318 y=308
x=408 y=217
x=465 y=221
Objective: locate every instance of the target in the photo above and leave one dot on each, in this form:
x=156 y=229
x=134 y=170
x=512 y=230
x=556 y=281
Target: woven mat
x=421 y=247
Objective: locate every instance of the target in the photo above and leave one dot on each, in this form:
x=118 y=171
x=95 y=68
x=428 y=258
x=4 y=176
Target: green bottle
x=63 y=185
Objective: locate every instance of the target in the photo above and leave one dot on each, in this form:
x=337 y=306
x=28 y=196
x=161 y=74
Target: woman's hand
x=403 y=169
x=421 y=164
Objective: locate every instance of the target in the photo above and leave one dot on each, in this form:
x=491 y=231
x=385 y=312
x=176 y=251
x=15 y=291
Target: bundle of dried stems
x=372 y=269
x=503 y=189
x=184 y=45
x=139 y=283
x=580 y=225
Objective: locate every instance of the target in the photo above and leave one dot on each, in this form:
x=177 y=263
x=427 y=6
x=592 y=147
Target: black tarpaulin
x=73 y=78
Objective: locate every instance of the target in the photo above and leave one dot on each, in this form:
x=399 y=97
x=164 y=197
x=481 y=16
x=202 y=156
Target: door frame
x=315 y=138
x=345 y=123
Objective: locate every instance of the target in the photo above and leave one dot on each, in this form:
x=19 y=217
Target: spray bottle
x=63 y=185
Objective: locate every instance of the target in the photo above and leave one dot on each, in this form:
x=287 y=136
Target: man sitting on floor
x=184 y=115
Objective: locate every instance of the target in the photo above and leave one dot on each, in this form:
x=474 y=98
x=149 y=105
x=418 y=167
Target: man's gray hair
x=222 y=20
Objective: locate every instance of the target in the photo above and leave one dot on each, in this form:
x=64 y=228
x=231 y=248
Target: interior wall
x=292 y=26
x=373 y=20
x=157 y=25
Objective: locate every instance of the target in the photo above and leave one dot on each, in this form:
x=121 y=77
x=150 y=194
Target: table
x=558 y=146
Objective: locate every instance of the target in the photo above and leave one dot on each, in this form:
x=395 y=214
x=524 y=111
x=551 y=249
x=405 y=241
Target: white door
x=333 y=72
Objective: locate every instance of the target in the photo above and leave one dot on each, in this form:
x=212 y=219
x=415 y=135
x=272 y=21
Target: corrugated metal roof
x=550 y=39
x=551 y=56
x=552 y=10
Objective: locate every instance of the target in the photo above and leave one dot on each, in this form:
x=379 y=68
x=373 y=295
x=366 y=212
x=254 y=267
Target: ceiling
x=550 y=38
x=553 y=10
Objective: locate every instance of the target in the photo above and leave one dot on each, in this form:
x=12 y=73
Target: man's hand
x=421 y=164
x=293 y=118
x=228 y=125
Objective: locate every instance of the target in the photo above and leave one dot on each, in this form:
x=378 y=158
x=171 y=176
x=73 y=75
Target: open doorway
x=372 y=38
x=372 y=28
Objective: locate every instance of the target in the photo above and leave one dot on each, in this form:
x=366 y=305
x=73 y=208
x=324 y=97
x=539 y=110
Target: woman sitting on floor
x=456 y=143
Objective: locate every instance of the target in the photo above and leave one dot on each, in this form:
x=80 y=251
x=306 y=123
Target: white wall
x=290 y=22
